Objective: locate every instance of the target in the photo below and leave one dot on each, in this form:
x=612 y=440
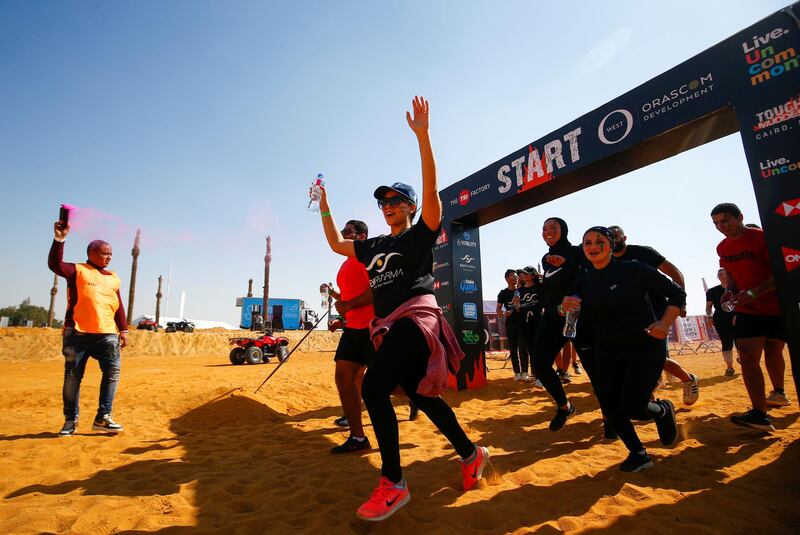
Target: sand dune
x=202 y=454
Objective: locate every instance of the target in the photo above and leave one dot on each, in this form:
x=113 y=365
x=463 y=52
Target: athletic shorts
x=355 y=346
x=758 y=326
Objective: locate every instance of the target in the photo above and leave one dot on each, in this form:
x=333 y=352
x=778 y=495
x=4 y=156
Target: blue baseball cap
x=401 y=189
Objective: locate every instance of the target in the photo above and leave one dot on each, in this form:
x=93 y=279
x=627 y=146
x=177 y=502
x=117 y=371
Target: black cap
x=401 y=189
x=530 y=270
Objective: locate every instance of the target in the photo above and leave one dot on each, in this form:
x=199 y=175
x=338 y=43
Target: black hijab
x=562 y=246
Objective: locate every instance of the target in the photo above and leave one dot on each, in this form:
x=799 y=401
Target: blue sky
x=204 y=122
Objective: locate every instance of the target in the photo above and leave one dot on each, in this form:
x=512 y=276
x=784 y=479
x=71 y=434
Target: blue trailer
x=295 y=314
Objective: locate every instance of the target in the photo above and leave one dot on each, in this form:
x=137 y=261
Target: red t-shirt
x=353 y=281
x=746 y=259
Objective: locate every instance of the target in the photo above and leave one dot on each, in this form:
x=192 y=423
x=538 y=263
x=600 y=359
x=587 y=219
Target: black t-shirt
x=531 y=301
x=714 y=295
x=615 y=302
x=399 y=267
x=557 y=279
x=505 y=299
x=651 y=257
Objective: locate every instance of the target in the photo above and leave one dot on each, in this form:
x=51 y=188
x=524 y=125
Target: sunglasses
x=394 y=202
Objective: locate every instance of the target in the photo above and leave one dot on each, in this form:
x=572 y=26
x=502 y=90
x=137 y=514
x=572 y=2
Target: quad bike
x=258 y=350
x=183 y=325
x=146 y=324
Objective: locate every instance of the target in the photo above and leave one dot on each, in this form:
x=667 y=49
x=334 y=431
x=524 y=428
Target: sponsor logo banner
x=440 y=284
x=767 y=58
x=466 y=240
x=470 y=311
x=777 y=167
x=465 y=195
x=615 y=126
x=676 y=97
x=468 y=286
x=791 y=258
x=440 y=265
x=468 y=262
x=470 y=337
x=789 y=208
x=777 y=119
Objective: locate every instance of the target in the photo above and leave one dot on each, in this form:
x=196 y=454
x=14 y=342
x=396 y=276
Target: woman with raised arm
x=414 y=343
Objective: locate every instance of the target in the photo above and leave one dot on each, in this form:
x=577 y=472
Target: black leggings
x=724 y=329
x=524 y=349
x=626 y=386
x=402 y=359
x=512 y=332
x=547 y=344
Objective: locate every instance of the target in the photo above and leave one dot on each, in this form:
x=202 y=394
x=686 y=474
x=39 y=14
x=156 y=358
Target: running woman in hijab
x=414 y=343
x=614 y=301
x=721 y=320
x=561 y=265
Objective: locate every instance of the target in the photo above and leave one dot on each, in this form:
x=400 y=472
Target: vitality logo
x=789 y=208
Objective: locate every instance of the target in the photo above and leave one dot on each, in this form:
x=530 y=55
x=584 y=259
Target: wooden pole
x=52 y=312
x=134 y=267
x=250 y=288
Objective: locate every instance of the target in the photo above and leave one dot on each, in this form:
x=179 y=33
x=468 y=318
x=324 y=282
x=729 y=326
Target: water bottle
x=516 y=298
x=324 y=293
x=728 y=303
x=571 y=324
x=316 y=193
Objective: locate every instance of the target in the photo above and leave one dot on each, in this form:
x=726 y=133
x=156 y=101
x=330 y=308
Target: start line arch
x=749 y=83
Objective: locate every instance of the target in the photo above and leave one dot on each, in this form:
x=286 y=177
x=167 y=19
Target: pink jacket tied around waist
x=442 y=342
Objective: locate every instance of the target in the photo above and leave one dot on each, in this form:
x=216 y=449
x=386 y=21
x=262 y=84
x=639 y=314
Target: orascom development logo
x=789 y=208
x=677 y=96
x=791 y=258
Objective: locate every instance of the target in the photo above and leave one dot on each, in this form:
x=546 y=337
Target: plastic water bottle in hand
x=316 y=193
x=516 y=299
x=728 y=303
x=571 y=324
x=324 y=295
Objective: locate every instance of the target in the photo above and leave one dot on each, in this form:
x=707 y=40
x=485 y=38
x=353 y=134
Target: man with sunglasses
x=354 y=303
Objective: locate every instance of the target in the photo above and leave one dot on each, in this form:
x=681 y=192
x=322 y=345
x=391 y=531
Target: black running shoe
x=70 y=426
x=341 y=421
x=351 y=444
x=754 y=418
x=413 y=413
x=666 y=425
x=561 y=417
x=636 y=462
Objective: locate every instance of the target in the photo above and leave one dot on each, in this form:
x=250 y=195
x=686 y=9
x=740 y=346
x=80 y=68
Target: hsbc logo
x=791 y=258
x=788 y=208
x=616 y=126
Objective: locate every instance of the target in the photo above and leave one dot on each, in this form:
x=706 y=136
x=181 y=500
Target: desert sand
x=201 y=453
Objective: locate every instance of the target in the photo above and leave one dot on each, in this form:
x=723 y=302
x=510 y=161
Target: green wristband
x=325 y=214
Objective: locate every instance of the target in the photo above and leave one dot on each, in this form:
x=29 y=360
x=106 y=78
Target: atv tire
x=253 y=355
x=237 y=355
x=188 y=329
x=282 y=353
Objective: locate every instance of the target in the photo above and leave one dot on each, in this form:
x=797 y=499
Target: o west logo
x=535 y=169
x=779 y=166
x=470 y=311
x=791 y=258
x=470 y=337
x=776 y=119
x=789 y=208
x=762 y=60
x=678 y=96
x=377 y=269
x=468 y=286
x=615 y=126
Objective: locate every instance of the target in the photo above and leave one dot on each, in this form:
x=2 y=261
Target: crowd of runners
x=626 y=297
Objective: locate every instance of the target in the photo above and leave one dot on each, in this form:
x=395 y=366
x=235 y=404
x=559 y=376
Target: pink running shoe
x=385 y=500
x=471 y=472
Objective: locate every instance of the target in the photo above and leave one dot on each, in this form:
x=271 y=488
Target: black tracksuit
x=616 y=307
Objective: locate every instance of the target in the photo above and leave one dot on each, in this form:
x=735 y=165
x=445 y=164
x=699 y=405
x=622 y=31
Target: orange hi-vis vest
x=97 y=300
